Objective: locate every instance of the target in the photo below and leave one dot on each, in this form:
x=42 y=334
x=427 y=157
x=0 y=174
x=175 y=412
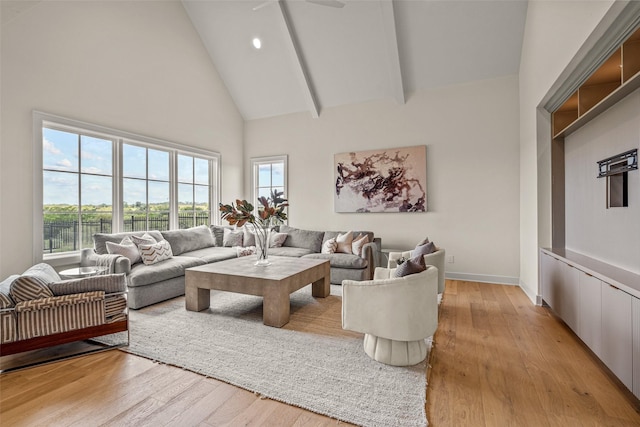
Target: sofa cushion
x=306 y=239
x=100 y=239
x=289 y=251
x=191 y=239
x=340 y=260
x=329 y=246
x=142 y=275
x=212 y=254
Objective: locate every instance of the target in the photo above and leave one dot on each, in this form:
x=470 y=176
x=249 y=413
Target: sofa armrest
x=116 y=263
x=370 y=253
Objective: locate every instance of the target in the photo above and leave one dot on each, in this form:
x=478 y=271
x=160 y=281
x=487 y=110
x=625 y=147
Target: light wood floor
x=497 y=361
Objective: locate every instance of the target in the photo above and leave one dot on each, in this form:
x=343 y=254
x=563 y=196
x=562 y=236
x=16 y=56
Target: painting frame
x=381 y=180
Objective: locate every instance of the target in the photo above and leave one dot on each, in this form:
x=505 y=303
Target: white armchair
x=395 y=314
x=436 y=259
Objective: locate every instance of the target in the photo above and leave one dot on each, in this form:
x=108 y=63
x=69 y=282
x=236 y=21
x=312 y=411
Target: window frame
x=270 y=160
x=41 y=120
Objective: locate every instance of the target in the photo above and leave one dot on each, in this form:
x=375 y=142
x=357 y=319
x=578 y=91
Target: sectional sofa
x=150 y=284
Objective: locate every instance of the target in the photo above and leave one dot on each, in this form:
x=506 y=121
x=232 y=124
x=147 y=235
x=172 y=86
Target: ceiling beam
x=391 y=38
x=299 y=67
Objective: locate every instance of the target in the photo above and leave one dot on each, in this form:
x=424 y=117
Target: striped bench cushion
x=109 y=283
x=26 y=288
x=46 y=316
x=114 y=305
x=8 y=329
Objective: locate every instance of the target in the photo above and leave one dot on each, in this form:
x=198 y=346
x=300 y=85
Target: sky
x=65 y=154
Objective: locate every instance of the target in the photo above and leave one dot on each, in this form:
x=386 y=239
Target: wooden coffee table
x=274 y=283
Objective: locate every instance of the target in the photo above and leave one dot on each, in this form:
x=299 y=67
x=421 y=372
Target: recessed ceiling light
x=257 y=43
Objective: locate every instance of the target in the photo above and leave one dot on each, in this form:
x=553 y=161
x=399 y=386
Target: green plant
x=270 y=212
x=242 y=211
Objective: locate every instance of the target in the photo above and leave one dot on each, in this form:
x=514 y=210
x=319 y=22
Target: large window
x=77 y=180
x=268 y=174
x=99 y=180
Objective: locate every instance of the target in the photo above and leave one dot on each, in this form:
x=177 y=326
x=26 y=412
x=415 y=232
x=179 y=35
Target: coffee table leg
x=196 y=299
x=276 y=306
x=321 y=288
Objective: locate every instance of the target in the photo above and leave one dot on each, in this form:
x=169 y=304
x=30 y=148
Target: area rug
x=329 y=375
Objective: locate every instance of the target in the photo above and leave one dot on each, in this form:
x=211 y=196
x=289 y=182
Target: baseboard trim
x=535 y=299
x=483 y=278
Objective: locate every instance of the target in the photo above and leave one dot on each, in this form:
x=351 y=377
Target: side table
x=80 y=272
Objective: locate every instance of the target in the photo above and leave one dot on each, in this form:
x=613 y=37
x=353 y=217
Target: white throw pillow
x=126 y=248
x=330 y=246
x=344 y=242
x=156 y=252
x=232 y=238
x=358 y=243
x=145 y=239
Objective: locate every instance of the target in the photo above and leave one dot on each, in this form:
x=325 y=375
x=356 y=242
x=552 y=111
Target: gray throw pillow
x=426 y=249
x=411 y=266
x=218 y=233
x=190 y=239
x=423 y=242
x=306 y=239
x=232 y=238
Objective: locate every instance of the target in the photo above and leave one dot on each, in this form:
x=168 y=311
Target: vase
x=262 y=230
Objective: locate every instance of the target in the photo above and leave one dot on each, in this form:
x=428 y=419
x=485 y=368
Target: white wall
x=471 y=134
x=554 y=32
x=611 y=235
x=137 y=66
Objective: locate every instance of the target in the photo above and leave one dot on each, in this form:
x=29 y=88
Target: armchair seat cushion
x=340 y=260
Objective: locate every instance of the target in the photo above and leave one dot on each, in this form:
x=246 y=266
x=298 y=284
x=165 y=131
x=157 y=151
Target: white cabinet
x=569 y=296
x=617 y=333
x=581 y=291
x=636 y=346
x=551 y=280
x=590 y=312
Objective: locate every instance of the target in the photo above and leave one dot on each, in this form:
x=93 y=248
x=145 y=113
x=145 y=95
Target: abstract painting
x=392 y=180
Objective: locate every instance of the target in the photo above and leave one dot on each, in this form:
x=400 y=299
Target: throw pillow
x=248 y=237
x=145 y=239
x=358 y=243
x=26 y=288
x=232 y=238
x=344 y=242
x=423 y=242
x=411 y=266
x=330 y=246
x=425 y=249
x=156 y=252
x=277 y=239
x=126 y=248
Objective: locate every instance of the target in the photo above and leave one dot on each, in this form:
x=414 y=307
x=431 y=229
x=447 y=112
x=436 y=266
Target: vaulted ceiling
x=323 y=53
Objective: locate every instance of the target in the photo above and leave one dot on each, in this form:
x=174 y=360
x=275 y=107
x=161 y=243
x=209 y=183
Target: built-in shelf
x=616 y=78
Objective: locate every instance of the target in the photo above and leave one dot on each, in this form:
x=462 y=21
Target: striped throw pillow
x=26 y=288
x=155 y=253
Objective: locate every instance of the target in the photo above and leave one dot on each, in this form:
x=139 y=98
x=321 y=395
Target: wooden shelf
x=616 y=78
